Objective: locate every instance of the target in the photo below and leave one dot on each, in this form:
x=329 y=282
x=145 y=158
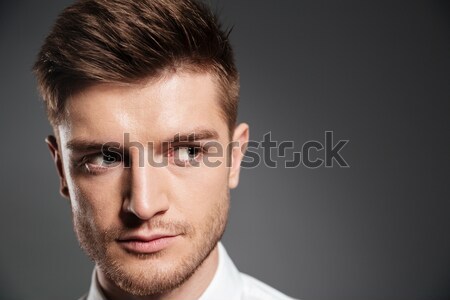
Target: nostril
x=130 y=220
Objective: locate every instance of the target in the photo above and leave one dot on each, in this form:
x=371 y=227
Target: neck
x=192 y=288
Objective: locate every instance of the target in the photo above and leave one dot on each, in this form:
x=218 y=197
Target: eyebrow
x=85 y=145
x=195 y=135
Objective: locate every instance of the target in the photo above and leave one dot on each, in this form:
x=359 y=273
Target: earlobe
x=52 y=144
x=241 y=137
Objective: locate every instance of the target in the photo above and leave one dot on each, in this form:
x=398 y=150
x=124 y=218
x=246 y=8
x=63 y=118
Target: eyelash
x=198 y=155
x=87 y=166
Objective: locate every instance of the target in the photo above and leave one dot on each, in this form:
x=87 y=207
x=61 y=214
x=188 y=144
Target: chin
x=148 y=274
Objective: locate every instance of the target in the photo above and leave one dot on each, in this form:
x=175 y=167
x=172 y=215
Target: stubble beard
x=153 y=280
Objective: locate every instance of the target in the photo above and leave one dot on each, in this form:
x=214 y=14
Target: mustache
x=153 y=225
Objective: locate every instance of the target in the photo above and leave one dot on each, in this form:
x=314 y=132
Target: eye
x=187 y=155
x=99 y=162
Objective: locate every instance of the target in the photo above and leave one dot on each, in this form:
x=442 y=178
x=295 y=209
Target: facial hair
x=152 y=280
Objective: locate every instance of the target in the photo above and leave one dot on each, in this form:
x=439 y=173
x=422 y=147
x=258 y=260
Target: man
x=142 y=97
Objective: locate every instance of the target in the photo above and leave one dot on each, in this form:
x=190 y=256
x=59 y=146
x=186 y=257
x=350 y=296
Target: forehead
x=148 y=111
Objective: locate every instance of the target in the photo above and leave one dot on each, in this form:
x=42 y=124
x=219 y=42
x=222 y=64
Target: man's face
x=148 y=228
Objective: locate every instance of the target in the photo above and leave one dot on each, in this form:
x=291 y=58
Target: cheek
x=199 y=191
x=96 y=199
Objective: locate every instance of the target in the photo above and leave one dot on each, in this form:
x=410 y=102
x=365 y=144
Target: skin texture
x=111 y=201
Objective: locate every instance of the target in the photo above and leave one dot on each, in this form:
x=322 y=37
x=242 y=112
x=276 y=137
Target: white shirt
x=227 y=284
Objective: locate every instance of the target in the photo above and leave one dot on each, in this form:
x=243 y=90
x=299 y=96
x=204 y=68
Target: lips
x=147 y=244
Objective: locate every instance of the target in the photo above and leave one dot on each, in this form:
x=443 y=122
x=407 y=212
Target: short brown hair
x=124 y=41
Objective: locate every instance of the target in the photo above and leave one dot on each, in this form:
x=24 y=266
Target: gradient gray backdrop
x=376 y=73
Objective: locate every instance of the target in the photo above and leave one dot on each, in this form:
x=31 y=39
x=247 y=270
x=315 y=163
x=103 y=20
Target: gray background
x=376 y=73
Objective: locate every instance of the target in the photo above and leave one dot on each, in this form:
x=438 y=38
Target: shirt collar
x=225 y=285
x=95 y=292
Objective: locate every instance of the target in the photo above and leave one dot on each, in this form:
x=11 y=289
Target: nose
x=145 y=197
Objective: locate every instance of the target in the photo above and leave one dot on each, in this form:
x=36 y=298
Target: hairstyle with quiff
x=125 y=41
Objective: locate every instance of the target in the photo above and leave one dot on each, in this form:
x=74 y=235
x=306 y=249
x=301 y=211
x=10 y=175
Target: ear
x=240 y=138
x=52 y=144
